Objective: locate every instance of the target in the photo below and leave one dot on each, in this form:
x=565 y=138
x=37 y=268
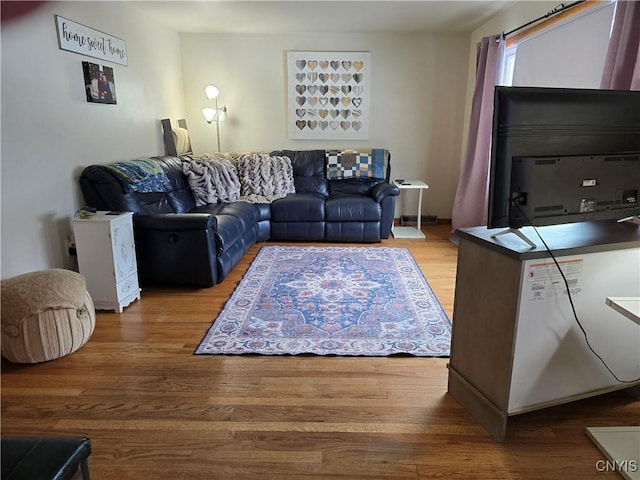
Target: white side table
x=107 y=259
x=627 y=306
x=411 y=232
x=621 y=445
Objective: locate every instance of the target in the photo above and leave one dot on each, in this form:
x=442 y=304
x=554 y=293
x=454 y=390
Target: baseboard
x=426 y=220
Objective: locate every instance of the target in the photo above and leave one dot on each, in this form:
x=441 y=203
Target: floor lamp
x=217 y=114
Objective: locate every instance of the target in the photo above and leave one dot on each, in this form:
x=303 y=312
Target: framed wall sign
x=328 y=95
x=77 y=38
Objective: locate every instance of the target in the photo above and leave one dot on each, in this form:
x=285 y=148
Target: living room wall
x=417 y=100
x=50 y=131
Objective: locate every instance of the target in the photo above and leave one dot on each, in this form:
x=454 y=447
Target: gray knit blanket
x=212 y=179
x=264 y=178
x=228 y=177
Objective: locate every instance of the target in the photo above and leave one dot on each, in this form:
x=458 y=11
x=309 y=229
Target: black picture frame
x=99 y=83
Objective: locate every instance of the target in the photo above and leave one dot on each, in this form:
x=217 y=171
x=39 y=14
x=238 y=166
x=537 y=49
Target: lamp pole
x=211 y=114
x=217 y=123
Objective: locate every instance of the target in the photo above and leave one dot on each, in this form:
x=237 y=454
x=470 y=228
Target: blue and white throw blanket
x=343 y=164
x=143 y=176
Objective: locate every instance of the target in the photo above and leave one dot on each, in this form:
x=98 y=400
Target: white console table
x=411 y=232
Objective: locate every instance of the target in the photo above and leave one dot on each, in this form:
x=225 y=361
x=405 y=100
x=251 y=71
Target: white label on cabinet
x=544 y=280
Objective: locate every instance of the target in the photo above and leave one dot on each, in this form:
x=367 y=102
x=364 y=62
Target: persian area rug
x=368 y=301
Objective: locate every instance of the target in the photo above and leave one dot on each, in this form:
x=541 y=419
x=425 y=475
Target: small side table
x=411 y=232
x=107 y=259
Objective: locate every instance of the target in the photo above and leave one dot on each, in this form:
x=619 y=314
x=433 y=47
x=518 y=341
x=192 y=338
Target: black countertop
x=566 y=239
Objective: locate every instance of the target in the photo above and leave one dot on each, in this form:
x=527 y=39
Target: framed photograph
x=328 y=95
x=99 y=83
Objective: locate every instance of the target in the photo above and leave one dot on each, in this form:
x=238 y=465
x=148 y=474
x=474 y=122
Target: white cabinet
x=107 y=258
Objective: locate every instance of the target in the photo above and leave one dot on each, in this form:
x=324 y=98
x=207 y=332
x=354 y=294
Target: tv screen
x=563 y=155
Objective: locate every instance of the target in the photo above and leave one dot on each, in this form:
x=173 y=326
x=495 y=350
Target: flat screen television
x=563 y=155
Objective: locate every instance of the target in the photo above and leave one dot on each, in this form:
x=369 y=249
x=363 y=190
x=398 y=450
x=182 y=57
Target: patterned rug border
x=219 y=339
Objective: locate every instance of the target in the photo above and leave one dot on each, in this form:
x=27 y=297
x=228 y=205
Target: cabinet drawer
x=124 y=252
x=127 y=286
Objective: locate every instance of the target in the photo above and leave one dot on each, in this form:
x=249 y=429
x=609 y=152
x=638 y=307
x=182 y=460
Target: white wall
x=50 y=132
x=417 y=97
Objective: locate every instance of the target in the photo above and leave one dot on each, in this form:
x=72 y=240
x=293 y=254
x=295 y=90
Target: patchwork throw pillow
x=357 y=163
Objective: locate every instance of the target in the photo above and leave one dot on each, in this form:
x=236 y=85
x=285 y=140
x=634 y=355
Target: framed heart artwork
x=328 y=95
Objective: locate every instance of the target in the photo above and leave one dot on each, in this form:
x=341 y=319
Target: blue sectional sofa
x=181 y=243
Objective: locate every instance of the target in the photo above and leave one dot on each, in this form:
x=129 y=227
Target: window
x=561 y=52
x=508 y=64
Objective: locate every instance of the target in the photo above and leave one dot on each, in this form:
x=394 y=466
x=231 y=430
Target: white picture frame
x=328 y=95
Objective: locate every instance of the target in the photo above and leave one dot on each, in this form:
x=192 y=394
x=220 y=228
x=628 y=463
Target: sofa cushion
x=352 y=232
x=352 y=186
x=172 y=166
x=248 y=213
x=103 y=191
x=308 y=170
x=264 y=211
x=354 y=208
x=178 y=195
x=299 y=207
x=298 y=231
x=234 y=220
x=142 y=203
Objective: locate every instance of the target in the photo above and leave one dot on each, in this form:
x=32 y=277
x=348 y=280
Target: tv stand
x=517 y=233
x=515 y=344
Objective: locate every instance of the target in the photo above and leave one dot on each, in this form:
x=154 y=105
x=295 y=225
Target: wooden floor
x=153 y=410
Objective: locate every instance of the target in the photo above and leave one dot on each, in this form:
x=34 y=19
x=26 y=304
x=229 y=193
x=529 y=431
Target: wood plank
x=154 y=410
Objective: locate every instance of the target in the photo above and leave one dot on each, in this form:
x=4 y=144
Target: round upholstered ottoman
x=45 y=315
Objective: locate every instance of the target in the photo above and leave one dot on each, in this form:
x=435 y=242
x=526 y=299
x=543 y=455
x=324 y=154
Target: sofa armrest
x=384 y=189
x=176 y=221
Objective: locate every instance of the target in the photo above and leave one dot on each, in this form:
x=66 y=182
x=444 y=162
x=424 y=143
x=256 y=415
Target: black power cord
x=573 y=308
